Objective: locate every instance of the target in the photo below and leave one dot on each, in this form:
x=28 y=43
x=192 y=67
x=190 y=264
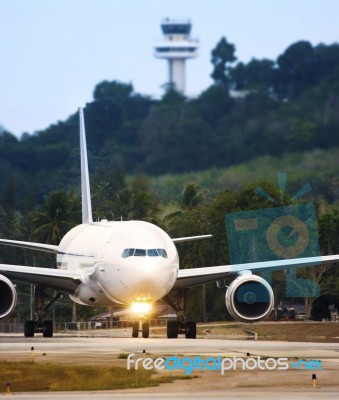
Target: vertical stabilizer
x=85 y=189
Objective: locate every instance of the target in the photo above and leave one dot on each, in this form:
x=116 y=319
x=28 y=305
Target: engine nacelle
x=249 y=298
x=8 y=297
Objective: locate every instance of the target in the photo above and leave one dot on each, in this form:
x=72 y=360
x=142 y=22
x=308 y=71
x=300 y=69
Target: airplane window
x=152 y=253
x=127 y=253
x=140 y=253
x=162 y=253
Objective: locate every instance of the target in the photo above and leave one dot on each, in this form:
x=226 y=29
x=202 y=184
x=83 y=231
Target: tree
x=114 y=91
x=256 y=75
x=113 y=199
x=213 y=104
x=59 y=213
x=192 y=196
x=297 y=70
x=106 y=183
x=329 y=232
x=311 y=283
x=222 y=55
x=172 y=96
x=8 y=199
x=13 y=226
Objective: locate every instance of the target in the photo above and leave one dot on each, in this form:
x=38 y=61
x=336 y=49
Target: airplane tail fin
x=85 y=188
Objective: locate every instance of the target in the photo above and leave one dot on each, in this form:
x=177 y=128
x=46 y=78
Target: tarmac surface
x=234 y=384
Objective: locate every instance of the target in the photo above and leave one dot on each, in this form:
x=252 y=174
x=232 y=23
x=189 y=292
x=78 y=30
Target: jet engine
x=249 y=298
x=8 y=297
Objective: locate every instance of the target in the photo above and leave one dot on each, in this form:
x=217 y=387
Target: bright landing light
x=141 y=307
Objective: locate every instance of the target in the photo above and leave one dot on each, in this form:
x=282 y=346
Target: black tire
x=135 y=329
x=48 y=328
x=145 y=329
x=172 y=329
x=29 y=328
x=191 y=330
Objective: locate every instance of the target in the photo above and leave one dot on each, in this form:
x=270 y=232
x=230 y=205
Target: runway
x=241 y=384
x=115 y=345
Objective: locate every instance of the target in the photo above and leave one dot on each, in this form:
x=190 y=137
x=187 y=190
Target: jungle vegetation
x=183 y=163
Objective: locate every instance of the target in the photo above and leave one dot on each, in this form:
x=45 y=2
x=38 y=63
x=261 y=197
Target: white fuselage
x=111 y=273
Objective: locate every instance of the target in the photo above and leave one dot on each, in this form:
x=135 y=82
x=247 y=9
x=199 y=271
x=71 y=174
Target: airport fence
x=68 y=327
x=18 y=327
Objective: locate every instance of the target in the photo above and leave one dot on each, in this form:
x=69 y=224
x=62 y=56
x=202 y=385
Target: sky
x=54 y=52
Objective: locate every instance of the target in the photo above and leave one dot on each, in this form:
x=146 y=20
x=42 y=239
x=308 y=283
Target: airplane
x=133 y=264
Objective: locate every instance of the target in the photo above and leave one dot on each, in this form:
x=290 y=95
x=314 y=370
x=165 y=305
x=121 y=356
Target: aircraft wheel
x=135 y=329
x=191 y=330
x=145 y=329
x=48 y=328
x=172 y=329
x=29 y=328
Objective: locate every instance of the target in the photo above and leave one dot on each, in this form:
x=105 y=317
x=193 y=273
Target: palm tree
x=192 y=196
x=58 y=214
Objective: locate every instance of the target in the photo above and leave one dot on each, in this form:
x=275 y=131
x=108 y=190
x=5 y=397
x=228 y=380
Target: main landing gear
x=187 y=328
x=142 y=327
x=180 y=325
x=37 y=325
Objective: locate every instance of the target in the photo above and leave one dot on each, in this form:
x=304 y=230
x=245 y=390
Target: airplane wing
x=61 y=280
x=190 y=238
x=30 y=245
x=198 y=276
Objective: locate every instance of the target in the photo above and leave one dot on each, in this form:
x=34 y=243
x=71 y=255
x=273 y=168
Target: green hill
x=319 y=167
x=289 y=106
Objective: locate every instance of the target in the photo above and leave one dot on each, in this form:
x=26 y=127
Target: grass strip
x=30 y=376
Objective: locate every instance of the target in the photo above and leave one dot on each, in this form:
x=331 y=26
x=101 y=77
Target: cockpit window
x=144 y=252
x=162 y=253
x=152 y=253
x=140 y=253
x=127 y=253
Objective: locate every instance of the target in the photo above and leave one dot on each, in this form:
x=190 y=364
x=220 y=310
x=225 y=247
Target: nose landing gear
x=141 y=326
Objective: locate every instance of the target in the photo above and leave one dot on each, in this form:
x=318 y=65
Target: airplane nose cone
x=147 y=276
x=151 y=279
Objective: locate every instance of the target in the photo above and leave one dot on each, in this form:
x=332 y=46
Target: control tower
x=176 y=47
